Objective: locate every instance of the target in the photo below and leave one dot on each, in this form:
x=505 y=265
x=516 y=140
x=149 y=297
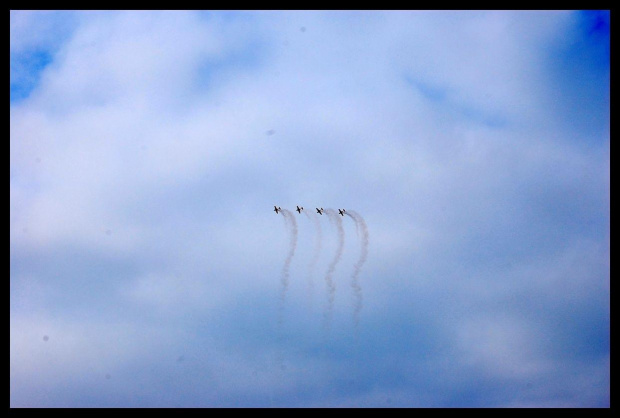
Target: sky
x=149 y=269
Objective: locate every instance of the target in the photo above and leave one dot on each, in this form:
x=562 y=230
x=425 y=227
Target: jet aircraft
x=319 y=211
x=299 y=209
x=276 y=209
x=341 y=212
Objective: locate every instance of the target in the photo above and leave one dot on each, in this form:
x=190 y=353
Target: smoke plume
x=291 y=227
x=317 y=250
x=291 y=224
x=331 y=288
x=360 y=225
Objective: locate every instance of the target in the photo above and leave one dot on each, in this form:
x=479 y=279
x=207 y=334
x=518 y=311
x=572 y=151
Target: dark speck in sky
x=45 y=338
x=303 y=29
x=270 y=132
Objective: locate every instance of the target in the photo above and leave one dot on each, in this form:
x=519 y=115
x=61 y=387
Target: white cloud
x=503 y=347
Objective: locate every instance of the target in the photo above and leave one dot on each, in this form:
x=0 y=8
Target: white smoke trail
x=317 y=251
x=360 y=224
x=331 y=288
x=292 y=228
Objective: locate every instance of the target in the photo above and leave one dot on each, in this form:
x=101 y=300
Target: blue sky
x=148 y=150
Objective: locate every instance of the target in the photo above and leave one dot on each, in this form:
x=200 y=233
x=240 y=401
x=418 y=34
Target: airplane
x=276 y=209
x=341 y=212
x=299 y=209
x=319 y=211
